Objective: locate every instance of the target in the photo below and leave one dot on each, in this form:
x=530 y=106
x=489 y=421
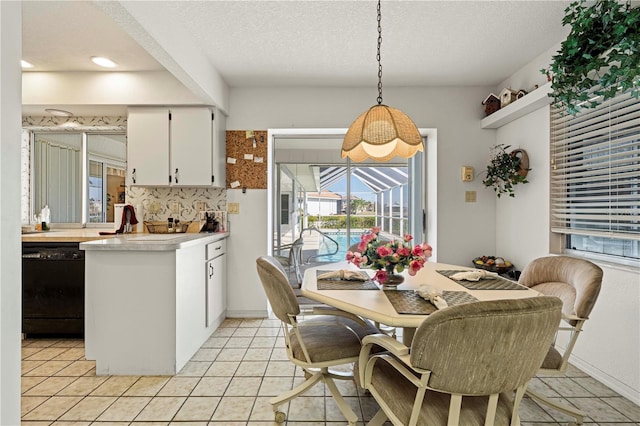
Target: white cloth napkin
x=433 y=295
x=343 y=274
x=474 y=275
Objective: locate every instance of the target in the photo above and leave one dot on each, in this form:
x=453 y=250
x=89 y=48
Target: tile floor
x=229 y=382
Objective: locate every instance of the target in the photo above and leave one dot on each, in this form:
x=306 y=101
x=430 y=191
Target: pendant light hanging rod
x=378 y=57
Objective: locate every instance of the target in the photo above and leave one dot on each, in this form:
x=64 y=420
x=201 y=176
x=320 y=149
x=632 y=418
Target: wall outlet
x=470 y=196
x=175 y=207
x=201 y=206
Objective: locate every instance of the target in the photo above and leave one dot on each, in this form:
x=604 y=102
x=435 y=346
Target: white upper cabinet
x=219 y=143
x=190 y=146
x=176 y=146
x=148 y=146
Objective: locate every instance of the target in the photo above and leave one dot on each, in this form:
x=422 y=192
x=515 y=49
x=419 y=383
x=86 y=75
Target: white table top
x=374 y=305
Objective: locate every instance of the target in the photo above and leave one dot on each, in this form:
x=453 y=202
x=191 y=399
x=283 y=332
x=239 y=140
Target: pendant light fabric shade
x=381 y=133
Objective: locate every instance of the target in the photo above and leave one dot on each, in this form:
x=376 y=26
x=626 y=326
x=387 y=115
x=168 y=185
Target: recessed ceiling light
x=58 y=112
x=25 y=64
x=103 y=62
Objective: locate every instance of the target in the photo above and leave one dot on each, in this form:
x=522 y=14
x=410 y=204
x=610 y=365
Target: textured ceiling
x=309 y=42
x=334 y=42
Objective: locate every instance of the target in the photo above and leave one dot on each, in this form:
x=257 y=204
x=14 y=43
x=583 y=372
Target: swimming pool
x=341 y=239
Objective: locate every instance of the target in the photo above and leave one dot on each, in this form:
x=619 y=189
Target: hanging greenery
x=601 y=55
x=506 y=169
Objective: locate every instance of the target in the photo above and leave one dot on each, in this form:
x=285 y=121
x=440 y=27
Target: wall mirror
x=79 y=175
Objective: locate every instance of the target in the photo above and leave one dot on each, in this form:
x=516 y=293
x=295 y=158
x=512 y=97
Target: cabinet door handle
x=176 y=175
x=210 y=271
x=133 y=176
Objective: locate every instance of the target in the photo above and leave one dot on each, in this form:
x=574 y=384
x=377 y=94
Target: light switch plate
x=233 y=208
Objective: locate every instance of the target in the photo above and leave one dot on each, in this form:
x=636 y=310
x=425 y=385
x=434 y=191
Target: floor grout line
x=236 y=336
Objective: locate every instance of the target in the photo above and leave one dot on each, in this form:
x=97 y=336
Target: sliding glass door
x=331 y=202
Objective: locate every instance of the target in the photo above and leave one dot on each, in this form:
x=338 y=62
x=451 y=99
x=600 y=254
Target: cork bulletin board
x=247 y=159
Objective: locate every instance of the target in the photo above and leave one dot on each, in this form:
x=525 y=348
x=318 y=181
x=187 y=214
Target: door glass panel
x=335 y=201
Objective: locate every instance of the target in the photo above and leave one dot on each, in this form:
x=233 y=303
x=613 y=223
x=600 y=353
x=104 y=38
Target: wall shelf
x=519 y=108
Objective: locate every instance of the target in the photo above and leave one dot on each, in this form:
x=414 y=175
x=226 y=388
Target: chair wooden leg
x=570 y=411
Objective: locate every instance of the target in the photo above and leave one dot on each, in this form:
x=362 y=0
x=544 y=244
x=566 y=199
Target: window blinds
x=595 y=169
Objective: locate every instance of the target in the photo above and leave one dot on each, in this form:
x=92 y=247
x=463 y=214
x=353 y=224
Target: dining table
x=401 y=306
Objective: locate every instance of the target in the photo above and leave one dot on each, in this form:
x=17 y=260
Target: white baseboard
x=622 y=388
x=248 y=314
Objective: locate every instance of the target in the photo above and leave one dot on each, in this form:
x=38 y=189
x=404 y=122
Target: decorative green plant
x=506 y=169
x=602 y=52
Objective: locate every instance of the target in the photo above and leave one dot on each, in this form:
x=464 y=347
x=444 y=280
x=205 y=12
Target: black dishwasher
x=52 y=289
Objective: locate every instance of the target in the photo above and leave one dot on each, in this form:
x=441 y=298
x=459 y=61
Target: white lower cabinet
x=148 y=305
x=216 y=297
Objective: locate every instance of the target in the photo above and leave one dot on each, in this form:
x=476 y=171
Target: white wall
x=609 y=347
x=522 y=222
x=105 y=88
x=465 y=230
x=10 y=271
x=322 y=207
x=247 y=241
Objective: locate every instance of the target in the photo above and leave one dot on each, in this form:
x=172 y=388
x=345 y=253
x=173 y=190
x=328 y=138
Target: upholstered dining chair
x=463 y=366
x=577 y=283
x=329 y=338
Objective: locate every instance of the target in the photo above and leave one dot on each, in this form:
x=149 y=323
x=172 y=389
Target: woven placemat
x=337 y=284
x=409 y=302
x=497 y=283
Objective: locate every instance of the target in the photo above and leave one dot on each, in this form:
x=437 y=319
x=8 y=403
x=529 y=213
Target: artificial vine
x=602 y=52
x=505 y=170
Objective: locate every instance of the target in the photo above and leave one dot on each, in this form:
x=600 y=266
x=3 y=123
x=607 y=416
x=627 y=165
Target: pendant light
x=381 y=132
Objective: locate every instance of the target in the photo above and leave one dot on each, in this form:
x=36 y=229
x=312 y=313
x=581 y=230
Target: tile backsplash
x=157 y=203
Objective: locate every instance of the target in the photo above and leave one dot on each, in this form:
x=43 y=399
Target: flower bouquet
x=389 y=257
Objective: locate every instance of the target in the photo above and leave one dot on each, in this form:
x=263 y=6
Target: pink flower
x=355 y=258
x=380 y=276
x=428 y=251
x=403 y=251
x=384 y=251
x=415 y=266
x=384 y=256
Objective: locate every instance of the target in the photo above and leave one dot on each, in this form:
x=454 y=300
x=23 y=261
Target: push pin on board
x=244 y=189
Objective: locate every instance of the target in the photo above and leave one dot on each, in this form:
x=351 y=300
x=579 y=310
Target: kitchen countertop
x=152 y=242
x=66 y=235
